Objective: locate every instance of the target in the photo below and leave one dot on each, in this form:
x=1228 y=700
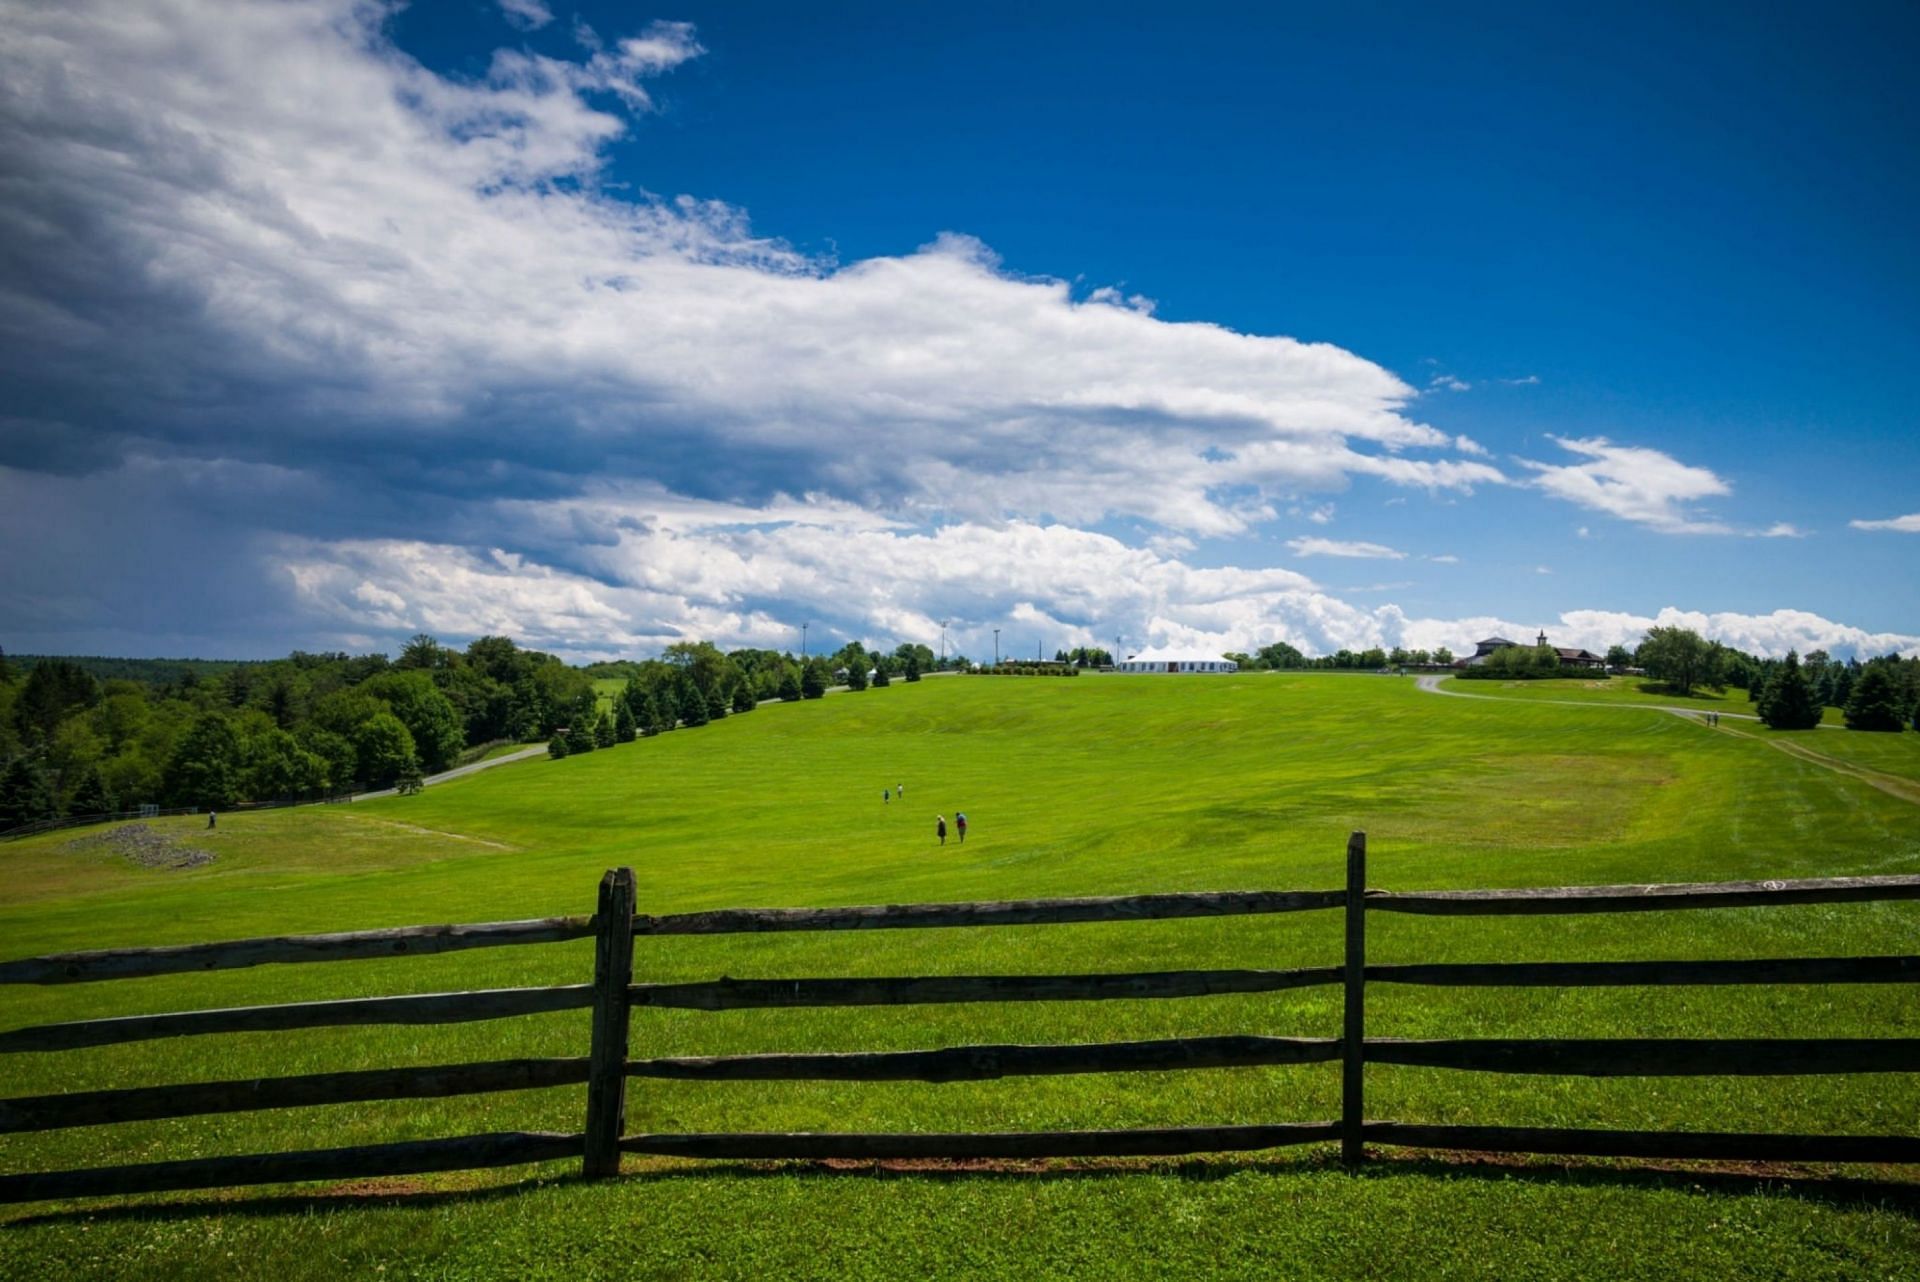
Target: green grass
x=1093 y=786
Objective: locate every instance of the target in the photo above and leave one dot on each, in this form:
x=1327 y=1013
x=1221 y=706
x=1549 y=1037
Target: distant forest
x=95 y=736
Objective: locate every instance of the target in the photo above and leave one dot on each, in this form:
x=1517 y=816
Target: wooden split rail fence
x=612 y=995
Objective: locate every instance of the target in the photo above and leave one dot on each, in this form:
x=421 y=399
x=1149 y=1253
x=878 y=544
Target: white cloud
x=1633 y=483
x=1782 y=530
x=1769 y=635
x=529 y=15
x=1529 y=380
x=1448 y=383
x=1901 y=524
x=1446 y=558
x=284 y=203
x=1341 y=547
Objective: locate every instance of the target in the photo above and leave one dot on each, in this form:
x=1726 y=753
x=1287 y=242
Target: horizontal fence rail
x=143 y=1103
x=1640 y=899
x=985 y=1063
x=424 y=1008
x=757 y=994
x=1640 y=974
x=613 y=995
x=1720 y=1146
x=415 y=1157
x=903 y=1146
x=353 y=945
x=1010 y=912
x=1656 y=1056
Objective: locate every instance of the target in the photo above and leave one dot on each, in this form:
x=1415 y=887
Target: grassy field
x=1091 y=786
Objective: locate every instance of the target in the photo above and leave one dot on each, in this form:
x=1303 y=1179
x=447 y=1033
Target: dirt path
x=1893 y=785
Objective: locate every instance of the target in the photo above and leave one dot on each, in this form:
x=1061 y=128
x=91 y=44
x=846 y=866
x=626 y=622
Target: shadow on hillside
x=1837 y=1191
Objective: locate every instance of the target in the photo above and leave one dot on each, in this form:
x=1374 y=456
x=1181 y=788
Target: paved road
x=1431 y=684
x=455 y=773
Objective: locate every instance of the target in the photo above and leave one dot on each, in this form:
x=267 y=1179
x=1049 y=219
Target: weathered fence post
x=1353 y=1044
x=607 y=1062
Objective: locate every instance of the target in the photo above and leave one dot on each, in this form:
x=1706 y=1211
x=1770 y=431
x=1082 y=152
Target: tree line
x=75 y=742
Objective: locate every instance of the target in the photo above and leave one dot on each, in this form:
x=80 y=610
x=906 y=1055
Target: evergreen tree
x=604 y=735
x=625 y=729
x=1874 y=703
x=649 y=715
x=790 y=691
x=693 y=704
x=668 y=707
x=25 y=794
x=857 y=673
x=743 y=700
x=579 y=736
x=880 y=677
x=92 y=796
x=716 y=704
x=913 y=668
x=813 y=681
x=1788 y=703
x=557 y=747
x=410 y=782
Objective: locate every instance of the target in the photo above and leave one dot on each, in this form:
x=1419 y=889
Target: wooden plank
x=415 y=1157
x=1708 y=1145
x=422 y=1008
x=814 y=1146
x=984 y=1063
x=1793 y=970
x=612 y=977
x=1353 y=1044
x=1648 y=898
x=353 y=945
x=1015 y=912
x=1656 y=1056
x=140 y=1103
x=753 y=994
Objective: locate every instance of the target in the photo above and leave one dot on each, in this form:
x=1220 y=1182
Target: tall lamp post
x=996 y=647
x=803 y=641
x=943 y=645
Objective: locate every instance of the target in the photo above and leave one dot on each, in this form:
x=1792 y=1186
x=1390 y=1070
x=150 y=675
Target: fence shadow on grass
x=1840 y=1192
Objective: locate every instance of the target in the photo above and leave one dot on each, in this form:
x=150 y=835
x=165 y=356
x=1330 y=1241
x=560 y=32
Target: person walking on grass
x=886 y=797
x=960 y=825
x=940 y=828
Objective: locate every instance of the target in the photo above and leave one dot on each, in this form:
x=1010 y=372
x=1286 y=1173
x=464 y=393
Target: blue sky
x=606 y=327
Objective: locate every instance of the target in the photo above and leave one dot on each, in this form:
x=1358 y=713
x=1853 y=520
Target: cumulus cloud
x=1900 y=524
x=271 y=214
x=1768 y=635
x=1448 y=383
x=1341 y=547
x=1634 y=483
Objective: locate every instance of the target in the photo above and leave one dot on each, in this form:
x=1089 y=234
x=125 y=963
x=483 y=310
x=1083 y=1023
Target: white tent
x=1176 y=661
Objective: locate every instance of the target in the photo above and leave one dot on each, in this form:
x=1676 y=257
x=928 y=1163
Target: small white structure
x=1178 y=661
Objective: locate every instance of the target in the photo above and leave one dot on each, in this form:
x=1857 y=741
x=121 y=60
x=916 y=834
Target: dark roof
x=1496 y=641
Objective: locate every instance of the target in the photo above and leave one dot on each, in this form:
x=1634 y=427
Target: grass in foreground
x=1102 y=785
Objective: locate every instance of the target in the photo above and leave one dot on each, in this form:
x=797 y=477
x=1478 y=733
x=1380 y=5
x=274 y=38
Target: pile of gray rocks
x=144 y=846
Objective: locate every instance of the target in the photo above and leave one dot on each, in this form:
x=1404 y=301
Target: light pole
x=943 y=645
x=803 y=641
x=996 y=647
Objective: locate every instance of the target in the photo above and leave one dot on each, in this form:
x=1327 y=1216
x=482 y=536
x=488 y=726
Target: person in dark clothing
x=940 y=828
x=960 y=826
